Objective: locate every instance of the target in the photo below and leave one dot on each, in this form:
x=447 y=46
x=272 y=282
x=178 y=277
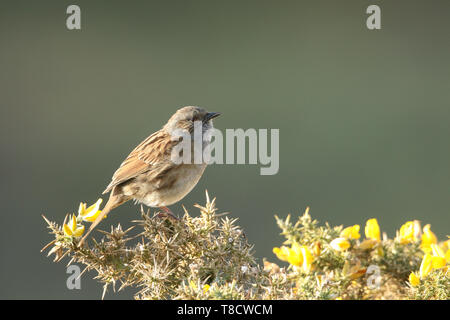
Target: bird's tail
x=113 y=202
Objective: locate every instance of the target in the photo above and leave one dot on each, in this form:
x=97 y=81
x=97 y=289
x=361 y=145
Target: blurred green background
x=364 y=116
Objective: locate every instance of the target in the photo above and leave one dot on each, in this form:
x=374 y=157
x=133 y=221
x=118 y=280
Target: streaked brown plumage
x=149 y=176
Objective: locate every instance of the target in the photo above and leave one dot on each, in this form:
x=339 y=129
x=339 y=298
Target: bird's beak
x=211 y=115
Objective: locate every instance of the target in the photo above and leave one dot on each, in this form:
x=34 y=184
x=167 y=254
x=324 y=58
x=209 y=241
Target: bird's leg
x=167 y=210
x=167 y=213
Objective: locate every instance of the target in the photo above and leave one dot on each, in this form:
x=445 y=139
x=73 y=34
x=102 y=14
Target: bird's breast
x=179 y=180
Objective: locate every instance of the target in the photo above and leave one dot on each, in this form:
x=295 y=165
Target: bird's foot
x=166 y=214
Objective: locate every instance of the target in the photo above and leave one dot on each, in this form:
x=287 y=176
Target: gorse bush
x=344 y=267
x=208 y=257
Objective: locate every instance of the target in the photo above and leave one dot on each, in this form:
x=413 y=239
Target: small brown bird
x=149 y=175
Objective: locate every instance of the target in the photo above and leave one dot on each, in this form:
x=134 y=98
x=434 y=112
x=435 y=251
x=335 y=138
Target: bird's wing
x=152 y=154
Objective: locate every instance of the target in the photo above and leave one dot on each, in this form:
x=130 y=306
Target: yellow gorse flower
x=446 y=245
x=367 y=244
x=91 y=213
x=438 y=262
x=428 y=238
x=437 y=251
x=426 y=266
x=297 y=255
x=282 y=253
x=71 y=229
x=434 y=258
x=353 y=271
x=372 y=229
x=414 y=280
x=351 y=232
x=307 y=259
x=439 y=257
x=291 y=255
x=340 y=244
x=409 y=232
x=430 y=262
x=193 y=285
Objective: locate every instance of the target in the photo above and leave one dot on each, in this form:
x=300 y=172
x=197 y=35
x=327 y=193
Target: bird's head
x=186 y=117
